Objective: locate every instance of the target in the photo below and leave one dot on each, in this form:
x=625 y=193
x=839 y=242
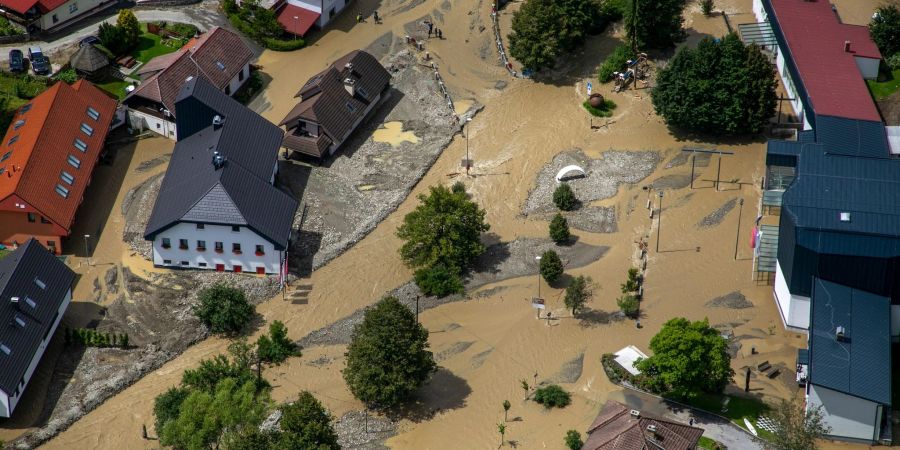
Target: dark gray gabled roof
x=861 y=364
x=18 y=272
x=236 y=193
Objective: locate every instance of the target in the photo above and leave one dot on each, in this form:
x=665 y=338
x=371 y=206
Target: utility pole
x=659 y=222
x=417 y=309
x=538 y=259
x=737 y=236
x=718 y=172
x=86 y=251
x=468 y=161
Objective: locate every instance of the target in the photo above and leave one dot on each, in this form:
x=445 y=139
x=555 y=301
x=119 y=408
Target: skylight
x=80 y=145
x=350 y=107
x=74 y=162
x=18 y=124
x=20 y=321
x=39 y=284
x=13 y=140
x=29 y=301
x=93 y=113
x=67 y=177
x=62 y=191
x=5 y=349
x=25 y=109
x=220 y=65
x=86 y=129
x=6 y=156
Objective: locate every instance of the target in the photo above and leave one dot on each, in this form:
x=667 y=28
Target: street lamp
x=296 y=26
x=86 y=254
x=538 y=259
x=737 y=237
x=468 y=161
x=659 y=221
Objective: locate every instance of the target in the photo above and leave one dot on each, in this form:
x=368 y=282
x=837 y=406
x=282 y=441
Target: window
x=86 y=129
x=183 y=244
x=52 y=245
x=167 y=261
x=28 y=301
x=238 y=269
x=228 y=90
x=93 y=113
x=80 y=145
x=236 y=248
x=235 y=228
x=18 y=124
x=67 y=177
x=185 y=263
x=6 y=156
x=350 y=107
x=2 y=169
x=62 y=191
x=73 y=8
x=5 y=349
x=331 y=13
x=260 y=250
x=43 y=220
x=201 y=264
x=241 y=75
x=201 y=226
x=74 y=162
x=13 y=140
x=362 y=92
x=220 y=65
x=55 y=18
x=157 y=126
x=166 y=243
x=40 y=283
x=25 y=109
x=219 y=247
x=261 y=270
x=201 y=245
x=31 y=217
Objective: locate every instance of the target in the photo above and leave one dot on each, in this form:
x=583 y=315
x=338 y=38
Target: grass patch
x=8 y=28
x=738 y=408
x=603 y=111
x=708 y=443
x=15 y=91
x=3 y=253
x=150 y=46
x=114 y=86
x=883 y=89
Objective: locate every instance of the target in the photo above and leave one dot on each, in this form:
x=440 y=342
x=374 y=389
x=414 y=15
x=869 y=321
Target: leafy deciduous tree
x=276 y=347
x=885 y=29
x=577 y=294
x=628 y=304
x=306 y=424
x=797 y=427
x=655 y=24
x=543 y=30
x=224 y=309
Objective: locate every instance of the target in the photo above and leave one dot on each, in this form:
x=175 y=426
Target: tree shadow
x=445 y=391
x=489 y=262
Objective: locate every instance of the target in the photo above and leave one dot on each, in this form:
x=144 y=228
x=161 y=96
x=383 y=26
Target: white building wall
x=239 y=80
x=312 y=5
x=209 y=259
x=12 y=400
x=868 y=67
x=794 y=309
x=68 y=11
x=155 y=124
x=759 y=12
x=4 y=405
x=848 y=416
x=330 y=10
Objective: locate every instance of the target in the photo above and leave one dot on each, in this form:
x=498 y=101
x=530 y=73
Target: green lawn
x=150 y=46
x=882 y=89
x=113 y=86
x=3 y=253
x=707 y=443
x=738 y=408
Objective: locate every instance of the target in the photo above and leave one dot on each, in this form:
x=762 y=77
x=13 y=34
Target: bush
x=613 y=10
x=551 y=266
x=552 y=396
x=885 y=29
x=283 y=45
x=458 y=188
x=388 y=357
x=629 y=305
x=69 y=76
x=276 y=347
x=894 y=61
x=306 y=424
x=722 y=87
x=253 y=85
x=605 y=110
x=564 y=197
x=559 y=229
x=8 y=28
x=706 y=6
x=224 y=309
x=184 y=30
x=438 y=281
x=573 y=440
x=615 y=62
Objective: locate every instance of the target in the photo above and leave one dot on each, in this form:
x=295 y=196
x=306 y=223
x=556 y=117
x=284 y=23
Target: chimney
x=349 y=66
x=635 y=413
x=14 y=301
x=348 y=85
x=840 y=333
x=218 y=160
x=847 y=46
x=218 y=121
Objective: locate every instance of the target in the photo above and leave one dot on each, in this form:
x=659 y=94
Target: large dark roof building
x=35 y=289
x=619 y=428
x=334 y=102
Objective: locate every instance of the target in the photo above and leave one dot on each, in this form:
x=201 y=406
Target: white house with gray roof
x=218 y=207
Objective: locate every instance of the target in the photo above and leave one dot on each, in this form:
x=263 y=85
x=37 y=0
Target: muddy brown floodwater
x=491 y=341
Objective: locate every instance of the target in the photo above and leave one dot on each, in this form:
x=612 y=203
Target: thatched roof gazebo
x=89 y=61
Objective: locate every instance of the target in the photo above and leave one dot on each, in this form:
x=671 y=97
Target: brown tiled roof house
x=219 y=56
x=619 y=428
x=333 y=104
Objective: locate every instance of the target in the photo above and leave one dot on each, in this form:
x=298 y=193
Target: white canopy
x=627 y=357
x=562 y=173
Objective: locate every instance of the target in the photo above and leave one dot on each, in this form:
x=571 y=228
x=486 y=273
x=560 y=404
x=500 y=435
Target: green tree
x=111 y=38
x=224 y=309
x=721 y=87
x=573 y=440
x=203 y=417
x=706 y=6
x=577 y=294
x=688 y=358
x=564 y=198
x=551 y=266
x=797 y=427
x=543 y=30
x=552 y=396
x=885 y=29
x=559 y=229
x=306 y=424
x=615 y=62
x=501 y=428
x=655 y=24
x=388 y=357
x=167 y=405
x=212 y=371
x=506 y=406
x=130 y=28
x=445 y=229
x=438 y=280
x=633 y=282
x=276 y=347
x=628 y=304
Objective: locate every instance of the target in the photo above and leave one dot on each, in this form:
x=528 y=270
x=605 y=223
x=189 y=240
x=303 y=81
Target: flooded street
x=486 y=344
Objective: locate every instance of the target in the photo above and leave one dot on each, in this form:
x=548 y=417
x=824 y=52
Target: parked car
x=89 y=40
x=39 y=63
x=16 y=60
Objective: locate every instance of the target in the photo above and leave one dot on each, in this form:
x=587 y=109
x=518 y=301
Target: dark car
x=90 y=40
x=39 y=63
x=16 y=60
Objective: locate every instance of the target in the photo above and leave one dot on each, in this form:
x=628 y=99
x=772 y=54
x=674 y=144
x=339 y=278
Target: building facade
x=50 y=15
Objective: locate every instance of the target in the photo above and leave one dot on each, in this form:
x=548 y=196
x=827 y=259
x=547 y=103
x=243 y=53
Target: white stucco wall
x=759 y=12
x=327 y=6
x=4 y=405
x=848 y=416
x=794 y=309
x=312 y=5
x=12 y=400
x=153 y=123
x=868 y=67
x=248 y=260
x=237 y=81
x=67 y=11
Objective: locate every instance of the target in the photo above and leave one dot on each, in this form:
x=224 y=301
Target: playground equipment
x=636 y=70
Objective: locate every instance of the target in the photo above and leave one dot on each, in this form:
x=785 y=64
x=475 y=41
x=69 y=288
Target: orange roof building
x=46 y=161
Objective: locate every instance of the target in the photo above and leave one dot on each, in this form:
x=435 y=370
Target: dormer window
x=13 y=140
x=362 y=92
x=93 y=113
x=87 y=129
x=80 y=145
x=18 y=124
x=220 y=65
x=39 y=284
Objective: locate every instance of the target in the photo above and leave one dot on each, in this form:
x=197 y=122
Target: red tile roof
x=305 y=19
x=616 y=429
x=22 y=6
x=816 y=38
x=39 y=149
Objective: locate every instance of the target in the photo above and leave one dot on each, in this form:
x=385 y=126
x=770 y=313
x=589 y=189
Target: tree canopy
x=559 y=229
x=796 y=426
x=551 y=266
x=577 y=294
x=655 y=24
x=276 y=347
x=306 y=424
x=130 y=27
x=688 y=358
x=721 y=87
x=388 y=357
x=543 y=30
x=885 y=29
x=224 y=309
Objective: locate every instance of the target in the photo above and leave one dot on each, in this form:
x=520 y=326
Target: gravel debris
x=714 y=218
x=480 y=358
x=682 y=158
x=570 y=371
x=733 y=300
x=355 y=431
x=452 y=350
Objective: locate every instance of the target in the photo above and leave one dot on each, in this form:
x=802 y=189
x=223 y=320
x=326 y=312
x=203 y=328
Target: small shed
x=89 y=61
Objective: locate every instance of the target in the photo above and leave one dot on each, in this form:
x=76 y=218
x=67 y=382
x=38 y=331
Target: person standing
x=375 y=15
